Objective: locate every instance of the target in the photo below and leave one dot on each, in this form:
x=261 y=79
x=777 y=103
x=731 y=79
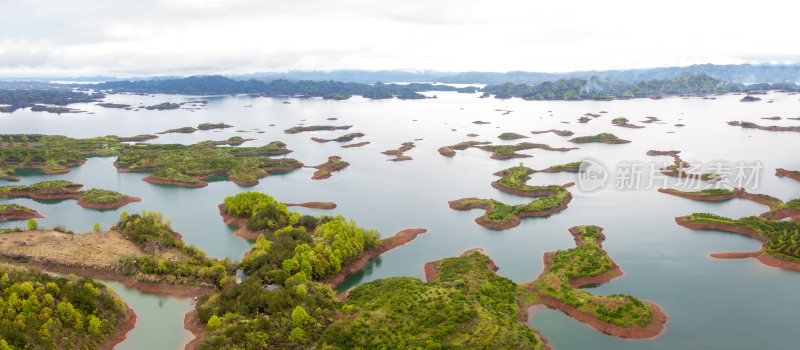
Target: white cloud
x=148 y=37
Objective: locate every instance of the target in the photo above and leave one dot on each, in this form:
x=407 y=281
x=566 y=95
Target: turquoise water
x=711 y=303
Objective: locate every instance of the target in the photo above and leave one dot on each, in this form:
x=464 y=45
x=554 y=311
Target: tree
x=32 y=224
x=300 y=316
x=214 y=322
x=96 y=227
x=94 y=325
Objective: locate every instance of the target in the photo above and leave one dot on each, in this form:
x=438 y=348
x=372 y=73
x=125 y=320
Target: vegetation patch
x=399 y=153
x=602 y=138
x=297 y=129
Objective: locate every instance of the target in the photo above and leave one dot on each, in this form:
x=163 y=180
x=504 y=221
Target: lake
x=710 y=303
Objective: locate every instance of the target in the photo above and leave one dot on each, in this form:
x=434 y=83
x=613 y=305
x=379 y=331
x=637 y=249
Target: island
x=750 y=98
x=48 y=161
x=601 y=138
x=113 y=105
x=358 y=144
x=500 y=216
x=343 y=138
x=297 y=129
x=509 y=151
x=190 y=165
x=792 y=174
x=17 y=212
x=557 y=132
x=511 y=136
x=751 y=125
x=181 y=130
x=649 y=120
x=209 y=126
x=780 y=239
x=61 y=189
x=14 y=99
x=625 y=123
x=136 y=138
x=450 y=151
x=163 y=106
x=399 y=153
x=325 y=170
x=313 y=205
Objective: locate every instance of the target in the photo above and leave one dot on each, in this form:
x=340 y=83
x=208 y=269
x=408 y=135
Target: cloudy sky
x=156 y=37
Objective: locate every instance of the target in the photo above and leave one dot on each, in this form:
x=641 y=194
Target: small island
x=399 y=154
x=601 y=138
x=650 y=120
x=62 y=189
x=313 y=205
x=625 y=123
x=163 y=106
x=17 y=212
x=557 y=132
x=677 y=168
x=750 y=98
x=182 y=130
x=511 y=136
x=357 y=144
x=113 y=105
x=297 y=129
x=500 y=216
x=509 y=151
x=450 y=151
x=325 y=170
x=344 y=138
x=751 y=125
x=209 y=126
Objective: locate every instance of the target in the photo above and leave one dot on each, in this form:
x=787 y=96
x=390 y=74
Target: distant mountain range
x=743 y=73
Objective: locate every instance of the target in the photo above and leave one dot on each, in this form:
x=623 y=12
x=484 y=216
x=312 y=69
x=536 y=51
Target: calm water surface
x=711 y=303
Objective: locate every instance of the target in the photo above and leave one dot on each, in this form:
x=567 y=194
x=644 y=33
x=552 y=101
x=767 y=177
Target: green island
x=17 y=212
x=113 y=105
x=48 y=161
x=343 y=138
x=284 y=297
x=325 y=170
x=500 y=216
x=511 y=136
x=45 y=312
x=566 y=271
x=62 y=189
x=750 y=98
x=751 y=125
x=602 y=138
x=181 y=130
x=22 y=98
x=509 y=151
x=189 y=165
x=557 y=132
x=450 y=151
x=399 y=153
x=163 y=106
x=780 y=239
x=625 y=123
x=209 y=126
x=232 y=141
x=297 y=129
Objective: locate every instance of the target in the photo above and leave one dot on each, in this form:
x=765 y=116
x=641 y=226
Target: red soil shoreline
x=33 y=214
x=121 y=333
x=193 y=324
x=320 y=175
x=515 y=220
x=735 y=193
x=780 y=172
x=155 y=181
x=400 y=238
x=241 y=223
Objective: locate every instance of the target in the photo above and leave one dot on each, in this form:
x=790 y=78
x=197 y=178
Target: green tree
x=96 y=227
x=300 y=316
x=94 y=325
x=214 y=322
x=32 y=224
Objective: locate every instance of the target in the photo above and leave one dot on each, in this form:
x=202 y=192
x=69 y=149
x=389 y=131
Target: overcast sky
x=156 y=37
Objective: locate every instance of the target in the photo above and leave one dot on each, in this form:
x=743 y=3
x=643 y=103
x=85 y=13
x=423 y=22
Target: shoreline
x=241 y=223
x=516 y=219
x=107 y=206
x=121 y=333
x=398 y=239
x=192 y=324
